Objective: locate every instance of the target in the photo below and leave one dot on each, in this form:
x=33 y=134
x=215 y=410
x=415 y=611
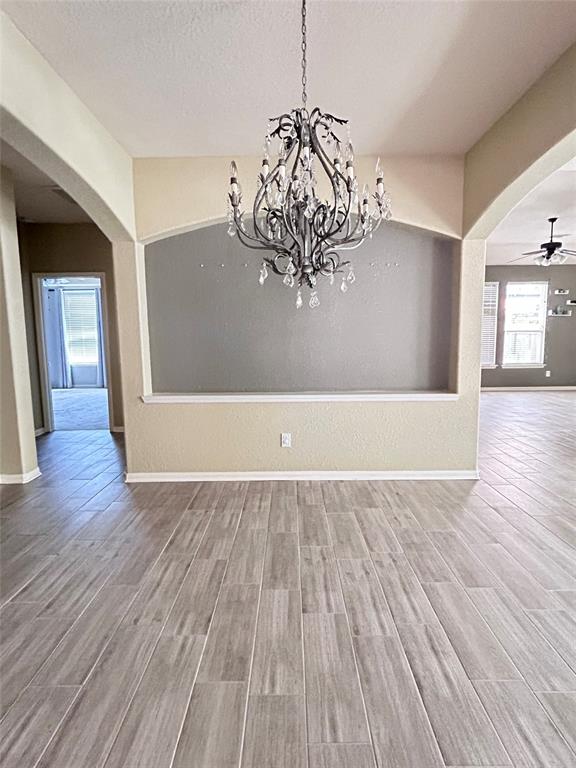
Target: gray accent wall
x=560 y=339
x=213 y=328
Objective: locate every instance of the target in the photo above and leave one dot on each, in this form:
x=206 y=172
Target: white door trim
x=45 y=390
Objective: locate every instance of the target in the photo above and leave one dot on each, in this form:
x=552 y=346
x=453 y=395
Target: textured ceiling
x=527 y=226
x=201 y=78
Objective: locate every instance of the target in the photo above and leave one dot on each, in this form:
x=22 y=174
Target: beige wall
x=46 y=122
x=177 y=194
x=73 y=248
x=18 y=462
x=535 y=137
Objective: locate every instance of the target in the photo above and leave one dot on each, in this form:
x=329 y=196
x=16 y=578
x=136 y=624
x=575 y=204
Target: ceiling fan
x=551 y=252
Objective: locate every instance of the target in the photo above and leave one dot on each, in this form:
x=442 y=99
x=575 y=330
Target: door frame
x=45 y=389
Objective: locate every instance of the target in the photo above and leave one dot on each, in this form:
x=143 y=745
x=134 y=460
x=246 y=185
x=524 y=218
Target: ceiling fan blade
x=534 y=253
x=518 y=259
x=563 y=234
x=567 y=251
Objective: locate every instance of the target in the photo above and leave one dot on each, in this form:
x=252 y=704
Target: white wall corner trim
x=40 y=431
x=20 y=479
x=392 y=474
x=297 y=397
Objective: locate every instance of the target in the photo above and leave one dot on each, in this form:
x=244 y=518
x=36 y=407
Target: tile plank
x=400 y=728
x=542 y=668
x=88 y=731
x=278 y=665
x=320 y=585
x=367 y=610
x=149 y=732
x=479 y=651
x=212 y=732
x=464 y=733
x=333 y=699
x=228 y=650
x=275 y=732
x=31 y=722
x=530 y=737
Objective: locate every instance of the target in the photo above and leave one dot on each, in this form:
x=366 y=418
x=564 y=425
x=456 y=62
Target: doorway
x=71 y=314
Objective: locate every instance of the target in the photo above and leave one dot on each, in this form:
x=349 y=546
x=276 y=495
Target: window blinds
x=80 y=316
x=489 y=325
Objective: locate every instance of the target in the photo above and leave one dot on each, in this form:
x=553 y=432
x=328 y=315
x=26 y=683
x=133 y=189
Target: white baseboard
x=393 y=474
x=40 y=431
x=20 y=479
x=116 y=429
x=527 y=389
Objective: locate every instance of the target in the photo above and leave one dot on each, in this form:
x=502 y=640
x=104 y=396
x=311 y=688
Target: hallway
x=271 y=624
x=80 y=408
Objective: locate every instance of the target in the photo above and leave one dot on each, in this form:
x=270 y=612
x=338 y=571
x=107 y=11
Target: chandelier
x=308 y=210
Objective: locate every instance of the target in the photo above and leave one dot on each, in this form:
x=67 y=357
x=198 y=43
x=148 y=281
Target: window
x=80 y=314
x=489 y=325
x=525 y=324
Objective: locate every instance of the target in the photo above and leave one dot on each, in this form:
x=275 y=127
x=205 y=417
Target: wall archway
x=552 y=160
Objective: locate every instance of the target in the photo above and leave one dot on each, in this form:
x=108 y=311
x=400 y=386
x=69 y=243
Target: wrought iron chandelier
x=307 y=234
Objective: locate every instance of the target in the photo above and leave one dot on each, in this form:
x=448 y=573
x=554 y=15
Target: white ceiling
x=526 y=227
x=202 y=77
x=38 y=199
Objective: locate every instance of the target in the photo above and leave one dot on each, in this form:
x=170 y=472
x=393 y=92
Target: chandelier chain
x=304 y=62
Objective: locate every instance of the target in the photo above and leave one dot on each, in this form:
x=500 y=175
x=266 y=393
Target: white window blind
x=525 y=324
x=80 y=317
x=489 y=325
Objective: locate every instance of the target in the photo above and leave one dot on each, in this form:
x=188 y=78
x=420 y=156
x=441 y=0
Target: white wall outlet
x=548 y=374
x=286 y=439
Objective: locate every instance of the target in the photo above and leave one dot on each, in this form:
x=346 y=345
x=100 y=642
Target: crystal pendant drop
x=314 y=300
x=351 y=276
x=344 y=285
x=299 y=299
x=332 y=278
x=288 y=280
x=231 y=229
x=263 y=274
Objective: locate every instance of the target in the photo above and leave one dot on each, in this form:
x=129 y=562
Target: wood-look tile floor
x=282 y=624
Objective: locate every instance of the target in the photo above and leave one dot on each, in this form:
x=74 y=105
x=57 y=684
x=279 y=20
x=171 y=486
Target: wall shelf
x=552 y=313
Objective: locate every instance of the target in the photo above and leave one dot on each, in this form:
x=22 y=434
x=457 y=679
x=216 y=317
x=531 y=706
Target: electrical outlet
x=286 y=440
x=548 y=374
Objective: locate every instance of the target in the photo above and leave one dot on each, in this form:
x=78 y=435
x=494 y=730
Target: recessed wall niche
x=213 y=328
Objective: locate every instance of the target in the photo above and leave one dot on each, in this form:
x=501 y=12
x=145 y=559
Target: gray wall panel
x=215 y=329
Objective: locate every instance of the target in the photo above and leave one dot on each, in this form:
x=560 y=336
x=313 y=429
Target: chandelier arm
x=258 y=202
x=248 y=240
x=288 y=223
x=329 y=169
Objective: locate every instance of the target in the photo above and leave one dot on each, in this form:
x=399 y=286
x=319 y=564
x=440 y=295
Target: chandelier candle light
x=306 y=234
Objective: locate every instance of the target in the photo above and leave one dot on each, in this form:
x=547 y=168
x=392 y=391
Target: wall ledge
x=392 y=474
x=20 y=479
x=297 y=397
x=550 y=388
